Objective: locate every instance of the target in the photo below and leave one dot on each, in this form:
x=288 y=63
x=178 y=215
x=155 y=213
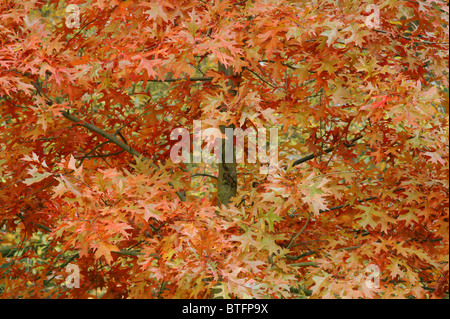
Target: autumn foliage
x=357 y=89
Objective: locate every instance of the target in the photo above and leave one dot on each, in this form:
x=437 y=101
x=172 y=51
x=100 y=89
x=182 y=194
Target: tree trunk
x=227 y=180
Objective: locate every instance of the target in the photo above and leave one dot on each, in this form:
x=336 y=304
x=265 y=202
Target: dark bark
x=227 y=179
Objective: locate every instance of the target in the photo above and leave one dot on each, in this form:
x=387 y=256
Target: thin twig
x=289 y=245
x=259 y=77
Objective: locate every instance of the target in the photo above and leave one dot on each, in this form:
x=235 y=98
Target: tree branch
x=194 y=79
x=305 y=264
x=102 y=133
x=289 y=245
x=328 y=150
x=205 y=175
